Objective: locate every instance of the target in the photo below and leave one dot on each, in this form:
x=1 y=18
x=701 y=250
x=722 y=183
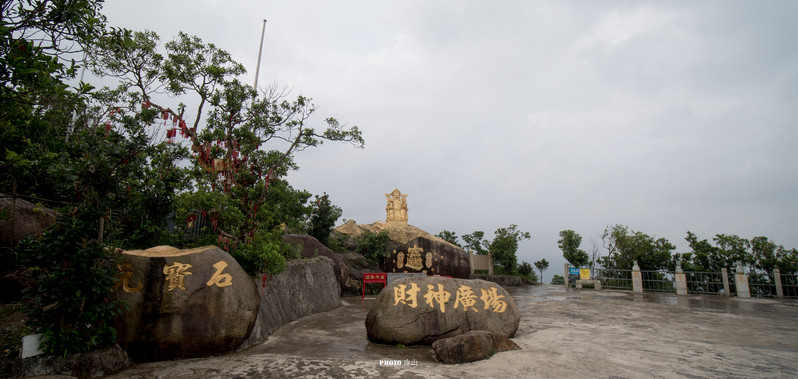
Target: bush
x=262 y=255
x=373 y=246
x=558 y=280
x=72 y=301
x=525 y=269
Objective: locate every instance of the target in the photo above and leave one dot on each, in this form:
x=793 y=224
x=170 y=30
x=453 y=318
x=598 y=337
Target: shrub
x=525 y=268
x=373 y=246
x=262 y=255
x=72 y=301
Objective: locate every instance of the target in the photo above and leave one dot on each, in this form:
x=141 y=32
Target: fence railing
x=789 y=285
x=614 y=279
x=762 y=285
x=658 y=281
x=705 y=283
x=751 y=284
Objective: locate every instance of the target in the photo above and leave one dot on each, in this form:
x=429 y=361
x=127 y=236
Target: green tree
x=505 y=244
x=626 y=247
x=758 y=254
x=448 y=236
x=525 y=269
x=323 y=217
x=569 y=244
x=476 y=242
x=248 y=139
x=68 y=147
x=558 y=280
x=542 y=265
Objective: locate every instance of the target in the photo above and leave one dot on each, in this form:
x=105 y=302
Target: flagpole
x=260 y=51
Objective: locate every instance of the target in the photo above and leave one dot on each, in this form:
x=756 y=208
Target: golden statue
x=396 y=208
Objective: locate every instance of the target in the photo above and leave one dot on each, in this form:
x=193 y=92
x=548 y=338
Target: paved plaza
x=576 y=334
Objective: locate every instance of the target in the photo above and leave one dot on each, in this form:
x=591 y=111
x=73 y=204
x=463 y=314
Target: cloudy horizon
x=666 y=117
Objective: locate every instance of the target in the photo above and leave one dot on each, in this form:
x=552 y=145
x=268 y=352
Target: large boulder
x=184 y=303
x=22 y=218
x=503 y=280
x=305 y=287
x=421 y=310
x=472 y=346
x=414 y=250
x=310 y=247
x=429 y=256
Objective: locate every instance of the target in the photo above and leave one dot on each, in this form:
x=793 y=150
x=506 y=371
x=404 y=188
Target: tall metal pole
x=260 y=51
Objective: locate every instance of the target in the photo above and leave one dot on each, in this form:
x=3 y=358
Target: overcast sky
x=664 y=116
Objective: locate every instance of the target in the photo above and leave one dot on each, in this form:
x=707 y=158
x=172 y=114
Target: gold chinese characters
x=437 y=297
x=175 y=276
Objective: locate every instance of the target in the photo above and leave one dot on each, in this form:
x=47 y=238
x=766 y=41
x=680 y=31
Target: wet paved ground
x=582 y=333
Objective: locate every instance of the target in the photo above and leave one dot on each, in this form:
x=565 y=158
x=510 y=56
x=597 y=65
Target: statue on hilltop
x=396 y=208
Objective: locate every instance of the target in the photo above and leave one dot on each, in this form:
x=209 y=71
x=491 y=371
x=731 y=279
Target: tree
x=569 y=244
x=542 y=265
x=58 y=149
x=558 y=280
x=758 y=254
x=248 y=139
x=323 y=217
x=448 y=236
x=505 y=244
x=525 y=268
x=476 y=242
x=651 y=253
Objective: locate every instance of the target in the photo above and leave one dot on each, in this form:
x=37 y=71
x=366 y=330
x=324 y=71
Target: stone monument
x=396 y=209
x=411 y=250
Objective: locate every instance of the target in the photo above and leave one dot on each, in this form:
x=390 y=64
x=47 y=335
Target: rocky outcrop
x=414 y=250
x=423 y=310
x=184 y=303
x=310 y=247
x=472 y=346
x=21 y=219
x=305 y=287
x=429 y=256
x=92 y=364
x=503 y=280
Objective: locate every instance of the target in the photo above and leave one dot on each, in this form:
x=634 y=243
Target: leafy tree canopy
x=541 y=265
x=569 y=244
x=448 y=236
x=476 y=242
x=505 y=245
x=625 y=247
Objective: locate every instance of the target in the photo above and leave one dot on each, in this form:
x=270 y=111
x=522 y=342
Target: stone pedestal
x=637 y=278
x=681 y=280
x=741 y=281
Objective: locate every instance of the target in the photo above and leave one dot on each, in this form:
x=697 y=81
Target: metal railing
x=789 y=285
x=705 y=283
x=761 y=284
x=658 y=281
x=614 y=278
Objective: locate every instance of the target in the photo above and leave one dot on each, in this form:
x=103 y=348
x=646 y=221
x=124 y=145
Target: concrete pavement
x=582 y=333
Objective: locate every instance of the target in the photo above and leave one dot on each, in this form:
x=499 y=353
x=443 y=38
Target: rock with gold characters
x=421 y=310
x=183 y=303
x=432 y=256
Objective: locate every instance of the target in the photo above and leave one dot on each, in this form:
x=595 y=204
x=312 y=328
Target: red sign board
x=373 y=277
